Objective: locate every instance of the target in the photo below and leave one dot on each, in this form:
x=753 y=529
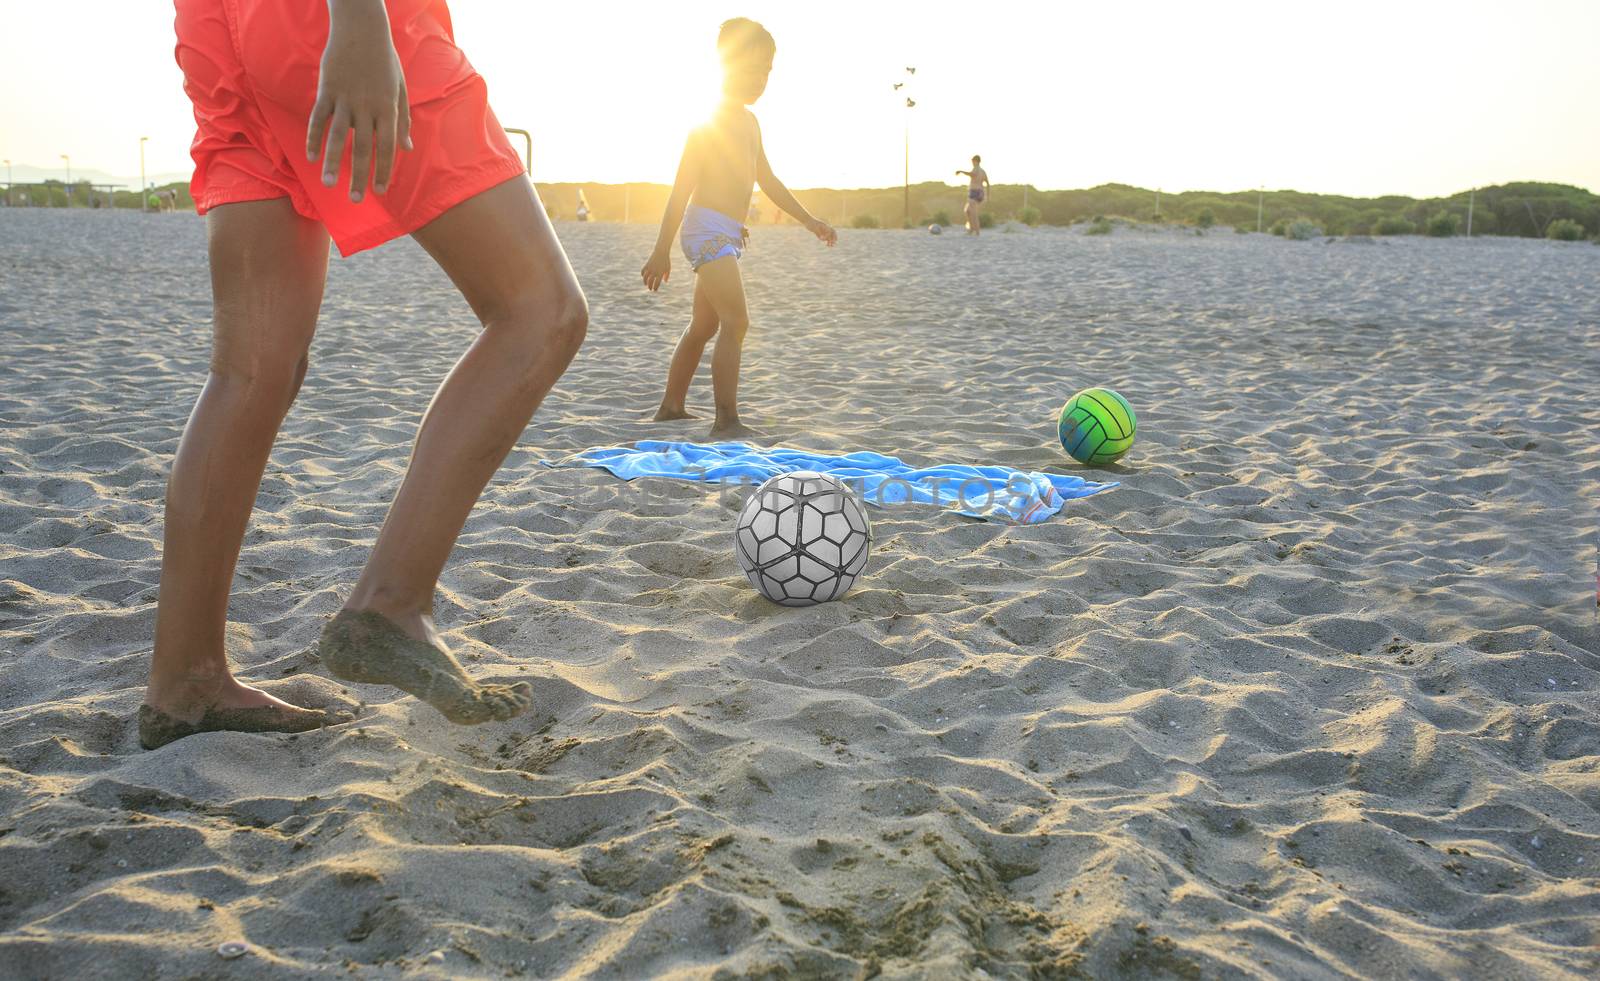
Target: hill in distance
x=1523 y=209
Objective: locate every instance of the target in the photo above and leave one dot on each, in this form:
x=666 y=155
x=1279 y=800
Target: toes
x=509 y=701
x=468 y=711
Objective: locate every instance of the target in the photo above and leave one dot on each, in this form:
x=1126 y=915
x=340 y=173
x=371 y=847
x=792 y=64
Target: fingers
x=317 y=128
x=385 y=162
x=338 y=129
x=653 y=277
x=403 y=126
x=361 y=157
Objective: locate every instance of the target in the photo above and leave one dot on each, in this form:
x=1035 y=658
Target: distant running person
x=977 y=193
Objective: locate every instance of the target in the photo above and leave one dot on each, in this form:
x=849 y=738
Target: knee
x=735 y=328
x=558 y=326
x=702 y=330
x=570 y=324
x=262 y=380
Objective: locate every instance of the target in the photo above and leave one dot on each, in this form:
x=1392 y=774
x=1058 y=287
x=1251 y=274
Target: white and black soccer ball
x=802 y=538
x=935 y=230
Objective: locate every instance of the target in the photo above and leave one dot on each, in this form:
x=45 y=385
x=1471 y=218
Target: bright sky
x=1349 y=97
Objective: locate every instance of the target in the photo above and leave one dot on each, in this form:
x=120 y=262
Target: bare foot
x=368 y=647
x=733 y=429
x=665 y=414
x=224 y=705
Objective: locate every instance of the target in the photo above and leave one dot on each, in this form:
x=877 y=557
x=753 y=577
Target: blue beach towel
x=995 y=493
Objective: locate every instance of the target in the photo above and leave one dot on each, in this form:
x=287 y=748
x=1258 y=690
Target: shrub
x=1098 y=227
x=1242 y=230
x=1302 y=230
x=1564 y=230
x=1393 y=225
x=1443 y=225
x=864 y=221
x=1206 y=219
x=1029 y=216
x=985 y=220
x=940 y=218
x=1279 y=227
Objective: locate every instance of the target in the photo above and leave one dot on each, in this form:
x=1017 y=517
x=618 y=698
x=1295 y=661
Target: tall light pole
x=910 y=104
x=8 y=183
x=1261 y=194
x=144 y=191
x=68 y=159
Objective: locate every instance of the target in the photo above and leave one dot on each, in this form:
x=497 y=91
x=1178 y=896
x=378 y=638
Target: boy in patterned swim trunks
x=722 y=162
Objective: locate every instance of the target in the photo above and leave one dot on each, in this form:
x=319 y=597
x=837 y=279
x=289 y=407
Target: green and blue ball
x=1096 y=426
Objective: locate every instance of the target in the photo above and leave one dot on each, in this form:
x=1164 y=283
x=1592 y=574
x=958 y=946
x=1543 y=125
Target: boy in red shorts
x=302 y=107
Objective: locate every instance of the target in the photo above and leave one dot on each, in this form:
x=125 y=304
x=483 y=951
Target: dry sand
x=1313 y=694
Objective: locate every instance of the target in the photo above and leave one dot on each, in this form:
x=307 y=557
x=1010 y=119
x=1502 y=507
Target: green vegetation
x=941 y=218
x=1525 y=208
x=1443 y=225
x=1100 y=226
x=1565 y=230
x=1393 y=225
x=1205 y=219
x=1302 y=230
x=55 y=194
x=985 y=220
x=864 y=221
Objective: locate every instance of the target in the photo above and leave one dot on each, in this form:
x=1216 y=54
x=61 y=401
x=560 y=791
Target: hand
x=361 y=92
x=657 y=270
x=823 y=231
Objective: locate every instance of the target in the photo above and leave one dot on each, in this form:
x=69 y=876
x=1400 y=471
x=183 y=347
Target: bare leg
x=502 y=253
x=268 y=266
x=686 y=357
x=724 y=291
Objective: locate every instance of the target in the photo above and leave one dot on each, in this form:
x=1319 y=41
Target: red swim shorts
x=250 y=68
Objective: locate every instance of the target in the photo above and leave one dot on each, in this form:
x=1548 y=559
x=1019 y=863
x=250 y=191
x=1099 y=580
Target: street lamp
x=68 y=159
x=910 y=104
x=144 y=192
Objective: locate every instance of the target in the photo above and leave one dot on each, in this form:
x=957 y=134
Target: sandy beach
x=1314 y=693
